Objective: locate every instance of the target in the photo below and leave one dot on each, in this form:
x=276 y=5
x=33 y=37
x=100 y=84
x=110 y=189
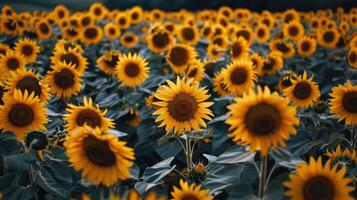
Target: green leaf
x=285 y=158
x=45 y=180
x=233 y=155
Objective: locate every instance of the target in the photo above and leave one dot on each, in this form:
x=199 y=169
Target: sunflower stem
x=4 y=165
x=188 y=153
x=262 y=176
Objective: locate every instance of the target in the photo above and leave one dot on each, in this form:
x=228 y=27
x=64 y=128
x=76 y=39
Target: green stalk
x=263 y=176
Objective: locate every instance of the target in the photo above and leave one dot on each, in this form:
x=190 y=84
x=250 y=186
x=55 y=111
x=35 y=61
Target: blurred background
x=257 y=5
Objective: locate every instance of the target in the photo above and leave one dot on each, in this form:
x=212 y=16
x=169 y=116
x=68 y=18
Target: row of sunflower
x=214 y=104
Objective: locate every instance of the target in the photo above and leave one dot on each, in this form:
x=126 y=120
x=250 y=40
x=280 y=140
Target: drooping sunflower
x=303 y=92
x=28 y=48
x=287 y=50
x=188 y=191
x=239 y=76
x=132 y=70
x=108 y=62
x=342 y=153
x=132 y=118
x=286 y=80
x=70 y=56
x=239 y=49
x=43 y=29
x=88 y=114
x=218 y=84
x=318 y=181
x=22 y=113
x=195 y=70
x=306 y=46
x=111 y=31
x=129 y=40
x=27 y=80
x=293 y=30
x=328 y=37
x=343 y=102
x=179 y=56
x=262 y=120
x=182 y=106
x=262 y=33
x=63 y=80
x=352 y=57
x=101 y=157
x=91 y=35
x=159 y=41
x=273 y=62
x=188 y=34
x=12 y=61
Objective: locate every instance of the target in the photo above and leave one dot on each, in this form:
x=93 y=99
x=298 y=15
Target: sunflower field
x=154 y=105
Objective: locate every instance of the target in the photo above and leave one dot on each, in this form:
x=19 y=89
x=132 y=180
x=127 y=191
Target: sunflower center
x=129 y=38
x=236 y=49
x=269 y=64
x=21 y=115
x=189 y=197
x=329 y=36
x=72 y=32
x=2 y=51
x=99 y=152
x=60 y=14
x=239 y=76
x=2 y=92
x=288 y=18
x=206 y=31
x=70 y=58
x=262 y=119
x=44 y=28
x=179 y=56
x=319 y=188
x=352 y=57
x=305 y=46
x=27 y=50
x=188 y=33
x=261 y=33
x=132 y=69
x=89 y=117
x=11 y=25
x=85 y=21
x=314 y=24
x=91 y=33
x=113 y=62
x=122 y=21
x=64 y=79
x=243 y=33
x=286 y=81
x=192 y=73
x=302 y=90
x=112 y=31
x=160 y=40
x=134 y=16
x=349 y=102
x=97 y=11
x=13 y=63
x=183 y=107
x=281 y=46
x=31 y=84
x=293 y=30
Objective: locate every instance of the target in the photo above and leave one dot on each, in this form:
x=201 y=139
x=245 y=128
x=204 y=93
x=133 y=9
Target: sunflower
x=71 y=33
x=195 y=70
x=267 y=20
x=306 y=46
x=291 y=15
x=159 y=41
x=67 y=45
x=257 y=61
x=246 y=33
x=70 y=56
x=91 y=35
x=179 y=56
x=318 y=181
x=314 y=23
x=188 y=191
x=12 y=61
x=123 y=20
x=60 y=12
x=28 y=48
x=214 y=52
x=132 y=118
x=111 y=31
x=303 y=92
x=43 y=29
x=22 y=113
x=262 y=120
x=218 y=84
x=7 y=11
x=27 y=80
x=101 y=157
x=262 y=33
x=221 y=41
x=86 y=19
x=108 y=62
x=132 y=70
x=293 y=30
x=9 y=25
x=328 y=37
x=188 y=34
x=352 y=57
x=157 y=15
x=3 y=49
x=98 y=10
x=136 y=14
x=287 y=50
x=129 y=40
x=63 y=80
x=182 y=106
x=273 y=62
x=343 y=103
x=88 y=114
x=239 y=49
x=207 y=31
x=345 y=154
x=286 y=80
x=170 y=27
